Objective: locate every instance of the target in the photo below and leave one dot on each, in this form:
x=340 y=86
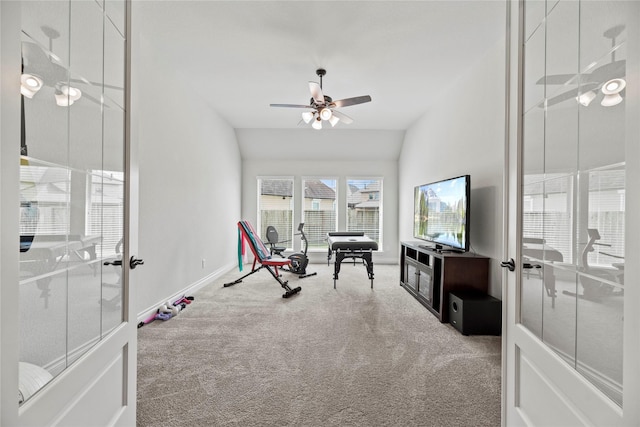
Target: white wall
x=463 y=135
x=347 y=164
x=189 y=185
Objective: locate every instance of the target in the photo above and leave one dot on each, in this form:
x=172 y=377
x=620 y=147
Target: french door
x=571 y=346
x=69 y=195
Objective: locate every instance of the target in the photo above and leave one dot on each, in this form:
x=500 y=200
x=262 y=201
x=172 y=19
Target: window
x=364 y=202
x=319 y=210
x=275 y=208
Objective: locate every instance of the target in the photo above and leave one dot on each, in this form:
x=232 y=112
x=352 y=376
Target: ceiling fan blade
x=572 y=94
x=97 y=84
x=85 y=95
x=291 y=105
x=351 y=101
x=316 y=92
x=615 y=69
x=343 y=118
x=556 y=79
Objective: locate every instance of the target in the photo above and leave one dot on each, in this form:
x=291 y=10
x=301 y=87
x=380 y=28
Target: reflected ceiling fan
x=322 y=108
x=607 y=79
x=40 y=67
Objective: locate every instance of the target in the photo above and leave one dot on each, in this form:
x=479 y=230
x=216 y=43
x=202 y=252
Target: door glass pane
x=572 y=296
x=319 y=210
x=71 y=191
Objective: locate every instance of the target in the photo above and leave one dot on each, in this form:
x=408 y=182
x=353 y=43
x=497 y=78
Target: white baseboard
x=188 y=290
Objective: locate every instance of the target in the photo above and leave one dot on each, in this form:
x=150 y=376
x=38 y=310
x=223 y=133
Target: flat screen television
x=441 y=213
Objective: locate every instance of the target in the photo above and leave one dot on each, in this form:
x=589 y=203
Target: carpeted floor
x=353 y=356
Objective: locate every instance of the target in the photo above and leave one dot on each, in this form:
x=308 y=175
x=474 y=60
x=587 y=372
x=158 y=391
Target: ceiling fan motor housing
x=327 y=100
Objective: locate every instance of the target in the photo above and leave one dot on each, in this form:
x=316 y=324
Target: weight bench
x=348 y=244
x=246 y=233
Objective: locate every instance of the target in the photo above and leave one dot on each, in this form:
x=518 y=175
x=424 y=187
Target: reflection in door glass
x=71 y=187
x=574 y=187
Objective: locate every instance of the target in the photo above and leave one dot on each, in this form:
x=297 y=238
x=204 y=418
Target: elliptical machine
x=299 y=260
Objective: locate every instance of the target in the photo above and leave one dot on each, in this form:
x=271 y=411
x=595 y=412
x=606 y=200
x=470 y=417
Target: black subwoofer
x=474 y=313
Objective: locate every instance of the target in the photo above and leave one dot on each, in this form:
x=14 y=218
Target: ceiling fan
x=322 y=108
x=607 y=79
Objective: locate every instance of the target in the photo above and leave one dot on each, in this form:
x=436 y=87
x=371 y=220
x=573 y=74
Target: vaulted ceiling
x=244 y=55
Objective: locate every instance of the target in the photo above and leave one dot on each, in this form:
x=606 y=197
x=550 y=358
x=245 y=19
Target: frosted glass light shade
x=613 y=86
x=586 y=98
x=307 y=116
x=611 y=100
x=73 y=93
x=325 y=114
x=317 y=124
x=30 y=84
x=63 y=100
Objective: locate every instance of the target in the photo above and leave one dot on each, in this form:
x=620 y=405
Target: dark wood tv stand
x=429 y=275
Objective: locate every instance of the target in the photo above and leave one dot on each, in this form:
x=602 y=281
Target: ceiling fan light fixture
x=611 y=100
x=586 y=98
x=73 y=93
x=30 y=84
x=333 y=120
x=317 y=124
x=63 y=100
x=613 y=86
x=325 y=114
x=307 y=116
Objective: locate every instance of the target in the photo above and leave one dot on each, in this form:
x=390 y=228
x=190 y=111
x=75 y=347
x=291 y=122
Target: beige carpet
x=352 y=356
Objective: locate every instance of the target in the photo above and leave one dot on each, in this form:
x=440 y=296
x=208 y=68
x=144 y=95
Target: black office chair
x=272 y=239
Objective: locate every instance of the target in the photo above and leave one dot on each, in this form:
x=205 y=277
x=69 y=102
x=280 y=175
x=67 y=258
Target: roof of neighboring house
x=314 y=189
x=277 y=187
x=372 y=187
x=356 y=193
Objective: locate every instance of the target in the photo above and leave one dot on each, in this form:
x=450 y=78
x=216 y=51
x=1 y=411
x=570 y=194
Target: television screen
x=441 y=213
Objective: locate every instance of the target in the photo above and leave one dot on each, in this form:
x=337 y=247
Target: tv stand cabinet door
x=462 y=273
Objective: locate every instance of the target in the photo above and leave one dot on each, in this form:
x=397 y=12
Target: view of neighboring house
x=363 y=202
x=367 y=197
x=276 y=206
x=277 y=194
x=319 y=210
